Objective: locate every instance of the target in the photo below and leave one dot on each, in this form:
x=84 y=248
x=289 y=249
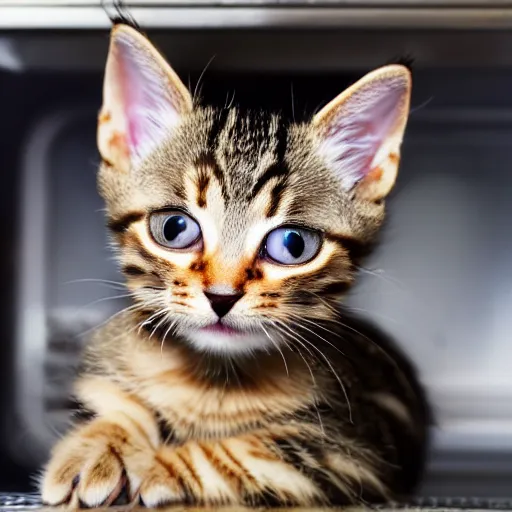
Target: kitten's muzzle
x=221 y=303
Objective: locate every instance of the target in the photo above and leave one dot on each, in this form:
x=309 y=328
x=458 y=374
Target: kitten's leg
x=291 y=465
x=96 y=463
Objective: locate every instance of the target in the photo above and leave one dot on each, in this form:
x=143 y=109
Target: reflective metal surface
x=264 y=13
x=440 y=283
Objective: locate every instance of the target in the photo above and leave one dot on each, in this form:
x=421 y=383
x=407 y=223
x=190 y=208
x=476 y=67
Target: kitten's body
x=356 y=439
x=234 y=378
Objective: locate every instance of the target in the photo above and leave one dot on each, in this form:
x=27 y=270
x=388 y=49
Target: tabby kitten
x=234 y=379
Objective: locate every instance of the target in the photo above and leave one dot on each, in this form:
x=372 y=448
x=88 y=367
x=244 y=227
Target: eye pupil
x=294 y=243
x=174 y=226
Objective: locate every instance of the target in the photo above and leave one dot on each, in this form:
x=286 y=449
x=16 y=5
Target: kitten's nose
x=221 y=303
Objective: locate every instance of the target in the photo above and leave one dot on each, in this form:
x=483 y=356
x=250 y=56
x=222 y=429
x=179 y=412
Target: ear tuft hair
x=120 y=14
x=406 y=60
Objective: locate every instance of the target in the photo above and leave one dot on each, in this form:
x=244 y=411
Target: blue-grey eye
x=175 y=230
x=292 y=245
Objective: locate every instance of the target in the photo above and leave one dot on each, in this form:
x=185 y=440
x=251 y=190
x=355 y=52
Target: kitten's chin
x=224 y=340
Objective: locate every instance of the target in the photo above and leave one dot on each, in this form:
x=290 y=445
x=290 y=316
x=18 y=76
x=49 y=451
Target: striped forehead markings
x=233 y=135
x=279 y=169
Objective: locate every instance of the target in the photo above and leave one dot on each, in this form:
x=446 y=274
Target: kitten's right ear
x=143 y=100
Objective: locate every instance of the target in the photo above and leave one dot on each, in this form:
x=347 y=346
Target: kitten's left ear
x=361 y=131
x=143 y=99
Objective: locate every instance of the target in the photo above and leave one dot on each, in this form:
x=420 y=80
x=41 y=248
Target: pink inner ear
x=133 y=123
x=126 y=79
x=135 y=119
x=147 y=98
x=359 y=129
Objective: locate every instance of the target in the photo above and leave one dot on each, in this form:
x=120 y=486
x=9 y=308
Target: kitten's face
x=233 y=227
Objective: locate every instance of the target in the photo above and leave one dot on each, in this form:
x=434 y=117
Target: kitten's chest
x=203 y=408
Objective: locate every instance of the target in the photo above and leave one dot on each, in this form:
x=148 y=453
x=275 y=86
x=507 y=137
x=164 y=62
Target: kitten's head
x=233 y=227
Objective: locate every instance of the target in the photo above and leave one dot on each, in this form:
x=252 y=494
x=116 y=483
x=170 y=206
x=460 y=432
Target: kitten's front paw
x=104 y=464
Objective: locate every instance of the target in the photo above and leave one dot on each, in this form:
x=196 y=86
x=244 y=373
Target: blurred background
x=441 y=282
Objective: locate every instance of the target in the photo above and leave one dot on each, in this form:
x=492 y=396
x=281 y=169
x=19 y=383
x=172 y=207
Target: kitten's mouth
x=220 y=328
x=224 y=339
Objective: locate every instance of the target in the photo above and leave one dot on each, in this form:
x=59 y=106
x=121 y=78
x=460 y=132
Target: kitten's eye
x=292 y=246
x=174 y=229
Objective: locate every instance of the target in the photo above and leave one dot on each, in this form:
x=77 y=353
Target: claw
x=123 y=498
x=83 y=505
x=120 y=495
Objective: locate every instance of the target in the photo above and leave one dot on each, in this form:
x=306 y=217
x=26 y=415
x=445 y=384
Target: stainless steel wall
x=441 y=281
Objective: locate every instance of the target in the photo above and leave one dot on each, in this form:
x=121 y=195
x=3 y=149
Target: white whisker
x=100 y=281
x=326 y=359
x=276 y=345
x=171 y=325
x=157 y=326
x=380 y=273
x=300 y=319
x=151 y=318
x=198 y=84
x=280 y=329
x=104 y=299
x=133 y=307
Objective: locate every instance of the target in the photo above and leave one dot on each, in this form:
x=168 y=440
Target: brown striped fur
x=307 y=406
